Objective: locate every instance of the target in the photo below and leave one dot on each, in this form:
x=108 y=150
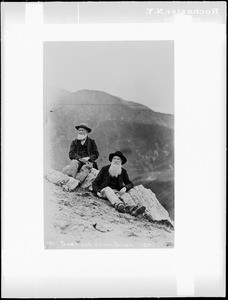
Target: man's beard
x=81 y=136
x=115 y=170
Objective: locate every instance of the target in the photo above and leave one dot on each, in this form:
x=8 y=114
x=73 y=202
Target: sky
x=139 y=71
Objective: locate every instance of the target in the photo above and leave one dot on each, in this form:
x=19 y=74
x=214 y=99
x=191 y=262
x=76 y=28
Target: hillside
x=146 y=137
x=80 y=220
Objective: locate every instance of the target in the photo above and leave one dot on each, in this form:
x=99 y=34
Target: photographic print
x=113 y=118
x=109 y=144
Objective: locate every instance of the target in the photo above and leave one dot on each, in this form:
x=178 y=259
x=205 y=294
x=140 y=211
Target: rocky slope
x=81 y=220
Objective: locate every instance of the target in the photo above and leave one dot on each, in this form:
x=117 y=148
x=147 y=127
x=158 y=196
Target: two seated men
x=112 y=182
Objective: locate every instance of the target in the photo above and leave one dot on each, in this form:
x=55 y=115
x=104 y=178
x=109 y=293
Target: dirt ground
x=81 y=220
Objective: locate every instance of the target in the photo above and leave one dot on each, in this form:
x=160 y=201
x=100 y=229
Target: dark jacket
x=91 y=149
x=103 y=178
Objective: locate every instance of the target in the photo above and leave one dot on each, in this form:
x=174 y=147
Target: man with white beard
x=83 y=153
x=112 y=183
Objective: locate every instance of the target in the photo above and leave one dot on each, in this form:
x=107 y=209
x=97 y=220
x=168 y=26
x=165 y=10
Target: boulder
x=154 y=210
x=58 y=178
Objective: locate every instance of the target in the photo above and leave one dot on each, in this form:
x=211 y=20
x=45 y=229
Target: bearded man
x=112 y=183
x=83 y=153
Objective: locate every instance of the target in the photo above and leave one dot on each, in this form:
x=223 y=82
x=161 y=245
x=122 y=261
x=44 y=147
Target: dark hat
x=83 y=125
x=120 y=154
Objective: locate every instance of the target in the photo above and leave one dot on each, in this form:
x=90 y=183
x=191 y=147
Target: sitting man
x=83 y=153
x=112 y=182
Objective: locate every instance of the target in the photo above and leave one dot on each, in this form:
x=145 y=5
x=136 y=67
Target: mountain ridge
x=57 y=97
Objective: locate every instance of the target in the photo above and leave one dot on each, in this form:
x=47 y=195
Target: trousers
x=114 y=199
x=72 y=170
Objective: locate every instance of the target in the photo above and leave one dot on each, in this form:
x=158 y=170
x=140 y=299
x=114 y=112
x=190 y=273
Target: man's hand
x=99 y=195
x=122 y=191
x=84 y=159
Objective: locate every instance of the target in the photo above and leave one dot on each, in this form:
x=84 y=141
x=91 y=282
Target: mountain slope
x=80 y=220
x=143 y=135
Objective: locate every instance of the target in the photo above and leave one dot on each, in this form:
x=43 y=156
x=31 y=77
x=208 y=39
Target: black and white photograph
x=109 y=144
x=113 y=149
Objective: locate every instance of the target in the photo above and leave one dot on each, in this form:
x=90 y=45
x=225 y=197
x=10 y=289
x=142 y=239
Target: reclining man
x=83 y=153
x=112 y=183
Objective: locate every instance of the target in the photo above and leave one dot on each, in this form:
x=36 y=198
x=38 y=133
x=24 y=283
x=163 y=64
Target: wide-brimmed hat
x=83 y=125
x=120 y=154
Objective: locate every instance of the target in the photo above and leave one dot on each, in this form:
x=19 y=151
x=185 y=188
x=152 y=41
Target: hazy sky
x=140 y=71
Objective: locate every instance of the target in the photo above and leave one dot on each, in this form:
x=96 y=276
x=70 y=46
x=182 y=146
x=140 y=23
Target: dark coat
x=103 y=178
x=91 y=149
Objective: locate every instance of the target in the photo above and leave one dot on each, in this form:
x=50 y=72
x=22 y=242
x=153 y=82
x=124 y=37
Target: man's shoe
x=138 y=211
x=128 y=209
x=131 y=209
x=120 y=207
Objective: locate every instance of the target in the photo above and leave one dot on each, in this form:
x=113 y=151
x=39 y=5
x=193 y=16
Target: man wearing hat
x=83 y=153
x=112 y=183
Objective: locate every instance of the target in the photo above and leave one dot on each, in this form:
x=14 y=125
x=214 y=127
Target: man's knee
x=74 y=162
x=73 y=169
x=66 y=169
x=107 y=190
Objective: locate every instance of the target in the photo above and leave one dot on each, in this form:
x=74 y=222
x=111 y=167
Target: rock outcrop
x=155 y=212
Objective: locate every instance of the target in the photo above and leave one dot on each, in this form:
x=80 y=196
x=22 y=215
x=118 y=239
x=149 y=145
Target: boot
x=120 y=207
x=136 y=210
x=128 y=208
